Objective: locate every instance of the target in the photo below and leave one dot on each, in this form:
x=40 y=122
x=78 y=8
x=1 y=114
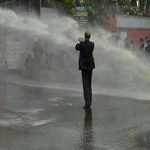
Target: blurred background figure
x=147 y=45
x=141 y=44
x=29 y=64
x=146 y=42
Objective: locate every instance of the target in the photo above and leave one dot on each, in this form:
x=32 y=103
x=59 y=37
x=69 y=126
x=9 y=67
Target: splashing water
x=118 y=71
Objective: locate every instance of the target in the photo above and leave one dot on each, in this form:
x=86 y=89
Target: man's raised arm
x=78 y=45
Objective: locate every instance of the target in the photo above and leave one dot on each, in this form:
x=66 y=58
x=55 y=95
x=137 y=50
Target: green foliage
x=124 y=2
x=130 y=7
x=97 y=13
x=68 y=3
x=97 y=9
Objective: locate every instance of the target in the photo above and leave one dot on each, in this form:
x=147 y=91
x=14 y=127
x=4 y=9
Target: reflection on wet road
x=87 y=141
x=48 y=119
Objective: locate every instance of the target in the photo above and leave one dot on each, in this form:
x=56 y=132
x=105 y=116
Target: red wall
x=136 y=34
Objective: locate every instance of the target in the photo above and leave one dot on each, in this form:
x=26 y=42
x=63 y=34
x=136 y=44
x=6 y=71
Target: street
x=43 y=43
x=34 y=118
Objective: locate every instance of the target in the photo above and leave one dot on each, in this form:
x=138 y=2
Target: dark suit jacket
x=86 y=60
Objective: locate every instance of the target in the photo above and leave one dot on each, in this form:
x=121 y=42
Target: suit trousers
x=87 y=89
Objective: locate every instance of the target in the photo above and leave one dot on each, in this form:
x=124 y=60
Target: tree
x=98 y=10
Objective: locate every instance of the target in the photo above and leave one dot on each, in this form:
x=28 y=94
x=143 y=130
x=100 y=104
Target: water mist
x=118 y=71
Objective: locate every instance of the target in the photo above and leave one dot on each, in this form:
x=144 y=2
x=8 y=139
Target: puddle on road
x=55 y=99
x=43 y=122
x=21 y=122
x=25 y=118
x=28 y=111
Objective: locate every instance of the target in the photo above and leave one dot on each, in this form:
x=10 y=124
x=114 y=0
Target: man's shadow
x=87 y=139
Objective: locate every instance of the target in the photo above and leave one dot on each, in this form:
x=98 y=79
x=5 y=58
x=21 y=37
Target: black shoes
x=87 y=107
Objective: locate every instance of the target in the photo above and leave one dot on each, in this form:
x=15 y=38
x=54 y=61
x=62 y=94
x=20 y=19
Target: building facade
x=135 y=27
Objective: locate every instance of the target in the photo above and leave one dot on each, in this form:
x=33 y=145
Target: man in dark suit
x=86 y=65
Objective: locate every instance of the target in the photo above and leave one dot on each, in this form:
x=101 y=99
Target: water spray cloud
x=117 y=69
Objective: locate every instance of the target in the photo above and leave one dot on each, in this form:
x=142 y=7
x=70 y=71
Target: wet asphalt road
x=49 y=119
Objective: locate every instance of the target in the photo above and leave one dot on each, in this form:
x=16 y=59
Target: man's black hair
x=87 y=35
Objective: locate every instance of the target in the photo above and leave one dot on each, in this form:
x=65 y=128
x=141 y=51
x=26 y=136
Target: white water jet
x=118 y=71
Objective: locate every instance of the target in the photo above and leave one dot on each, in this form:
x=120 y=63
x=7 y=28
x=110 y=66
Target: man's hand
x=80 y=39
